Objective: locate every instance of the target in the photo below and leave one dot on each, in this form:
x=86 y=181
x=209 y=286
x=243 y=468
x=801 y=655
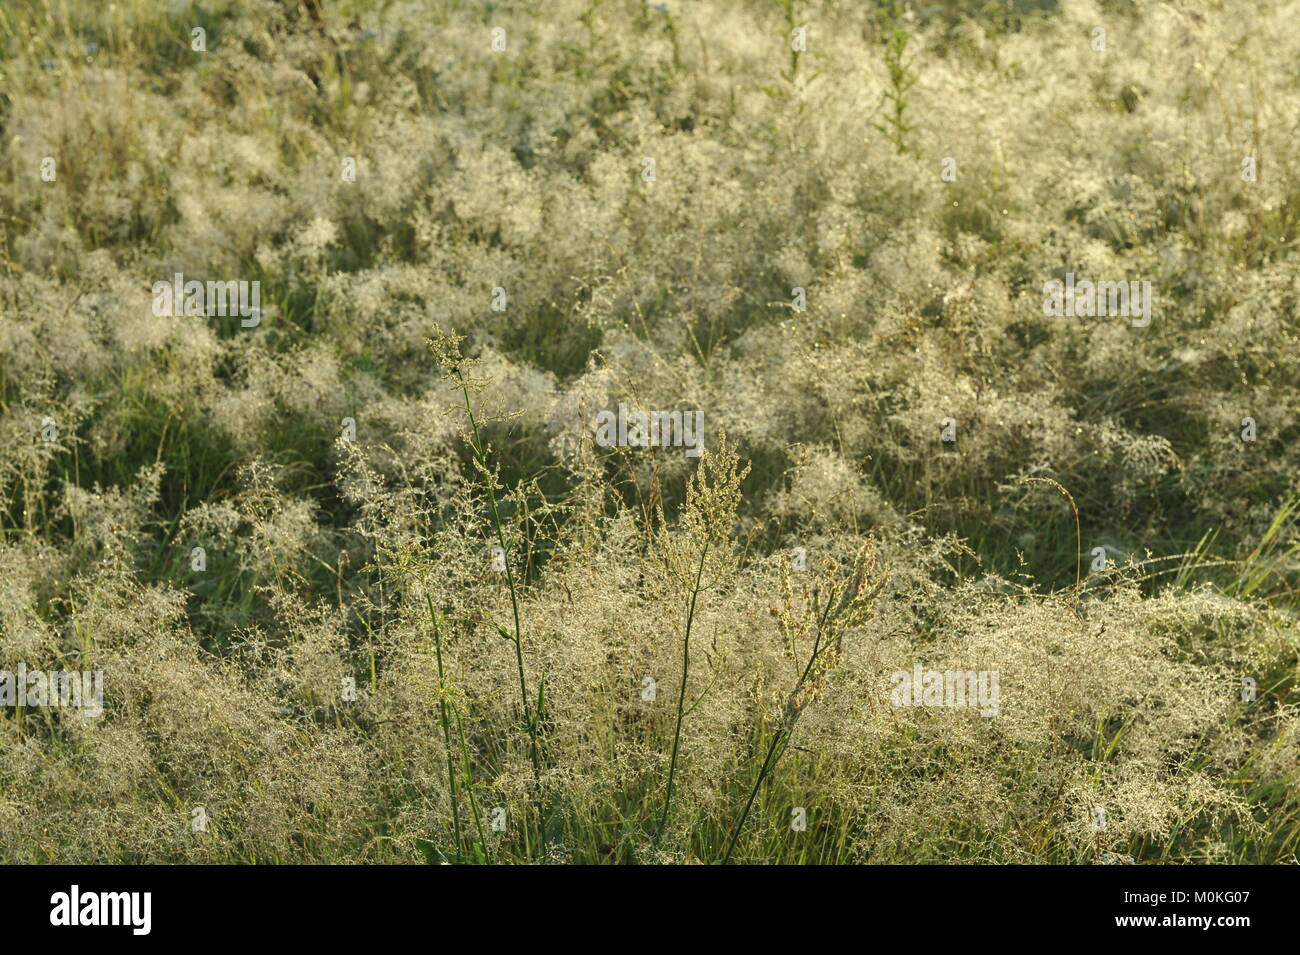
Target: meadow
x=650 y=433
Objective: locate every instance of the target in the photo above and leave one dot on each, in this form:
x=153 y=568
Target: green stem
x=446 y=728
x=681 y=693
x=489 y=484
x=784 y=733
x=769 y=764
x=532 y=717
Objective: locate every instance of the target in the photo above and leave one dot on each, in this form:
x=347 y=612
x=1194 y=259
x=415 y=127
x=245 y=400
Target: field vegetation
x=456 y=627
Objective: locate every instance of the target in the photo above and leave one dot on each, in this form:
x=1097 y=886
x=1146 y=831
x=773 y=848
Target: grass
x=499 y=588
